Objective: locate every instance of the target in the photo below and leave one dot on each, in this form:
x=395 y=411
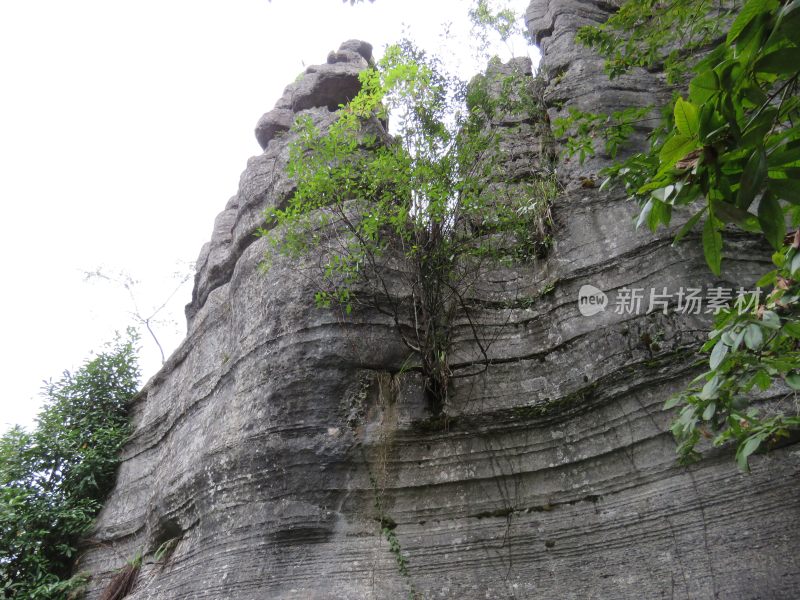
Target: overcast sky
x=124 y=127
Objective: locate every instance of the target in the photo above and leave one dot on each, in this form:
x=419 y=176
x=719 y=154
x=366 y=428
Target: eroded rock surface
x=279 y=439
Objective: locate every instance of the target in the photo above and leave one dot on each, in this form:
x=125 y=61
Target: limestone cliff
x=279 y=438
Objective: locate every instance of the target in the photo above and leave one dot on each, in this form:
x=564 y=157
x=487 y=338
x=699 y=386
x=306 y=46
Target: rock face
x=280 y=439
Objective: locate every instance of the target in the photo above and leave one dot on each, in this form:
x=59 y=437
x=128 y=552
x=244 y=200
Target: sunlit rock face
x=280 y=439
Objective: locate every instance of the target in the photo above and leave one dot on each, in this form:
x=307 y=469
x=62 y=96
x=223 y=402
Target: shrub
x=54 y=478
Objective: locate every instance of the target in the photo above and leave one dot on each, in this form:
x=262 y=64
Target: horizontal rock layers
x=285 y=452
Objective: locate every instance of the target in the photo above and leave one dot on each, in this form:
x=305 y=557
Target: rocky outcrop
x=575 y=77
x=316 y=94
x=287 y=452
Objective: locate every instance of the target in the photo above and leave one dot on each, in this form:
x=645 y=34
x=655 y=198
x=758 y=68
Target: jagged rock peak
x=317 y=93
x=328 y=85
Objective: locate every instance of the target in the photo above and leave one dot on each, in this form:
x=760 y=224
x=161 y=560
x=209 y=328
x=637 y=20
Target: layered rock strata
x=283 y=447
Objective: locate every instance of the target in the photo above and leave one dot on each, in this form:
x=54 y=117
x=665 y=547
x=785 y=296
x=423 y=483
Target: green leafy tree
x=726 y=155
x=404 y=223
x=55 y=478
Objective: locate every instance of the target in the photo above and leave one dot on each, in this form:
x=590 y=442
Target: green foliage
x=489 y=19
x=388 y=527
x=585 y=128
x=55 y=478
x=729 y=151
x=753 y=351
x=433 y=200
x=652 y=34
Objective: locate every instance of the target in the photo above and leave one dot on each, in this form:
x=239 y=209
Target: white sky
x=124 y=127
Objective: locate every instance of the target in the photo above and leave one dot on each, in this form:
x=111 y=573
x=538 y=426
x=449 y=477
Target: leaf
x=703 y=86
x=785 y=154
x=672 y=402
x=792 y=328
x=788 y=22
x=749 y=11
x=687 y=120
x=771 y=320
x=659 y=213
x=753 y=337
x=746 y=449
x=710 y=388
x=784 y=61
x=712 y=246
x=762 y=380
x=730 y=213
x=644 y=214
x=688 y=226
x=785 y=189
x=709 y=411
x=767 y=279
x=718 y=354
x=793 y=381
x=770 y=217
x=758 y=128
x=752 y=178
x=755 y=94
x=675 y=148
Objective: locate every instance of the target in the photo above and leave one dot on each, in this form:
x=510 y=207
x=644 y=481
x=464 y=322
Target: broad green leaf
x=644 y=214
x=738 y=339
x=785 y=154
x=767 y=279
x=784 y=61
x=672 y=402
x=785 y=189
x=653 y=185
x=792 y=328
x=771 y=320
x=793 y=381
x=710 y=388
x=730 y=213
x=770 y=216
x=688 y=226
x=709 y=411
x=752 y=178
x=687 y=121
x=755 y=94
x=718 y=354
x=790 y=11
x=757 y=129
x=762 y=380
x=788 y=22
x=703 y=86
x=675 y=148
x=753 y=337
x=712 y=246
x=749 y=11
x=746 y=449
x=659 y=213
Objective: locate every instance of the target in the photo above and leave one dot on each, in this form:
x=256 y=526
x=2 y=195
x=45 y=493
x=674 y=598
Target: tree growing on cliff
x=54 y=479
x=728 y=152
x=405 y=223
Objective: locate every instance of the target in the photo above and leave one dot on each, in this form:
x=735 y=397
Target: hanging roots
x=122 y=584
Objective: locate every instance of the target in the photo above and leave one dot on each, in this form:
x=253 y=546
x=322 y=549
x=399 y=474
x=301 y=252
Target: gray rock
x=275 y=121
x=279 y=439
x=359 y=47
x=316 y=95
x=575 y=77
